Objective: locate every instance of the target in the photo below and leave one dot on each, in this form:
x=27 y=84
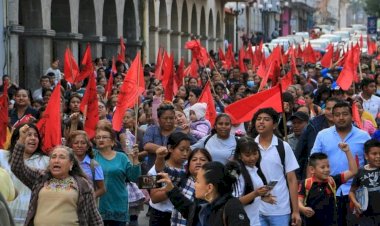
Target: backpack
x=309 y=182
x=281 y=152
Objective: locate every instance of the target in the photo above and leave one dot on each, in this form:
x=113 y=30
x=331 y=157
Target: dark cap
x=300 y=115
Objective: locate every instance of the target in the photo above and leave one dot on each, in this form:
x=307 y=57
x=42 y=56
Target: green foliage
x=372 y=7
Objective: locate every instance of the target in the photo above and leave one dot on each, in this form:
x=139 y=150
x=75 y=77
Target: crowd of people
x=276 y=169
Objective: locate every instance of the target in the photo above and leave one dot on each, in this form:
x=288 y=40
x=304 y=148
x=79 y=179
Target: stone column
x=175 y=45
x=96 y=45
x=63 y=40
x=13 y=48
x=153 y=43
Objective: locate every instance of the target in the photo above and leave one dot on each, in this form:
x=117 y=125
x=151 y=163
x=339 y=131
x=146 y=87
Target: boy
x=369 y=176
x=316 y=195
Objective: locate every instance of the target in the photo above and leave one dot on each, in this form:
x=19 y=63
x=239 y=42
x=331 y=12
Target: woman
x=314 y=109
x=221 y=144
x=33 y=157
x=365 y=118
x=214 y=204
x=22 y=107
x=193 y=97
x=157 y=135
x=117 y=168
x=61 y=194
x=103 y=111
x=79 y=142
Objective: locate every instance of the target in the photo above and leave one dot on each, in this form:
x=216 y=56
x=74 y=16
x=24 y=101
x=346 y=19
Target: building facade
x=38 y=31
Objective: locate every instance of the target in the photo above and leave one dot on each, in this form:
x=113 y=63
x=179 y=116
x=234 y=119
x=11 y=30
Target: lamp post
x=265 y=9
x=236 y=12
x=282 y=9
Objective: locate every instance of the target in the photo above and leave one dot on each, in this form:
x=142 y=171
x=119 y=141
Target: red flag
x=87 y=66
x=258 y=55
x=179 y=75
x=70 y=68
x=230 y=58
x=159 y=62
x=4 y=115
x=129 y=91
x=286 y=81
x=308 y=55
x=168 y=79
x=49 y=125
x=356 y=115
x=221 y=54
x=206 y=97
x=242 y=56
x=192 y=69
x=262 y=70
x=361 y=41
x=346 y=76
x=268 y=74
x=89 y=107
x=299 y=52
x=121 y=55
x=327 y=58
x=244 y=109
x=109 y=85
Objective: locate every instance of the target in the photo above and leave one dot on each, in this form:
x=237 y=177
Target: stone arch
x=174 y=37
x=163 y=24
x=129 y=23
x=30 y=14
x=109 y=19
x=211 y=35
x=152 y=31
x=203 y=27
x=60 y=16
x=185 y=30
x=194 y=30
x=87 y=25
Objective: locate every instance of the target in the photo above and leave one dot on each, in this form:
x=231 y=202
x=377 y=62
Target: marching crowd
x=309 y=165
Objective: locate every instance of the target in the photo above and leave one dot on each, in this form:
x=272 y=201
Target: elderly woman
x=118 y=169
x=61 y=193
x=33 y=157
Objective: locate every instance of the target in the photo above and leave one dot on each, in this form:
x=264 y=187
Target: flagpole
x=283 y=116
x=137 y=98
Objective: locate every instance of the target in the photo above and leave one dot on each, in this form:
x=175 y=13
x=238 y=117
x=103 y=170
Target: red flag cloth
x=87 y=65
x=4 y=115
x=308 y=55
x=168 y=79
x=299 y=52
x=258 y=55
x=327 y=58
x=159 y=62
x=264 y=81
x=206 y=97
x=361 y=41
x=244 y=109
x=249 y=53
x=230 y=58
x=49 y=126
x=371 y=46
x=286 y=81
x=89 y=107
x=195 y=47
x=179 y=75
x=109 y=85
x=262 y=70
x=121 y=55
x=356 y=116
x=70 y=68
x=129 y=91
x=221 y=54
x=346 y=76
x=242 y=56
x=192 y=69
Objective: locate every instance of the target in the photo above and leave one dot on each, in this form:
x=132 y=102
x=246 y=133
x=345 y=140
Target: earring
x=71 y=168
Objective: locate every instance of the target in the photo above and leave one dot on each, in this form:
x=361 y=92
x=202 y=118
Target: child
x=316 y=195
x=199 y=126
x=250 y=186
x=369 y=176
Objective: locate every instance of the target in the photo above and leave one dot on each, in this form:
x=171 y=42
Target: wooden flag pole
x=283 y=117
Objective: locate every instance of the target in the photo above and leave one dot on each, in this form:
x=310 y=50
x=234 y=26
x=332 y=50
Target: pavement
x=143 y=219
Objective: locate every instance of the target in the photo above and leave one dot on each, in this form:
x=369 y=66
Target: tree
x=372 y=7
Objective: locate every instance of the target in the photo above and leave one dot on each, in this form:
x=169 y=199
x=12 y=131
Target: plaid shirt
x=34 y=179
x=189 y=191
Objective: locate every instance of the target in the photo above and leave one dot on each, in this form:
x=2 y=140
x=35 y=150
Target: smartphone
x=271 y=184
x=149 y=182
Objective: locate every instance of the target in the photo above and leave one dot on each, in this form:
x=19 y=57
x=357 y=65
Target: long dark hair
x=203 y=151
x=16 y=135
x=222 y=115
x=223 y=177
x=174 y=140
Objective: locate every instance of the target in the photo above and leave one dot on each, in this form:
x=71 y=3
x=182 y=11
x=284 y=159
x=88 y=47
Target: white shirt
x=219 y=149
x=164 y=206
x=273 y=171
x=252 y=209
x=372 y=105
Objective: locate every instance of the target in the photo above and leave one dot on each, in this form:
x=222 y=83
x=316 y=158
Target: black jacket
x=234 y=212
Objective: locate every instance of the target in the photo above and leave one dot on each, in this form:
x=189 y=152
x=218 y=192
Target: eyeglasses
x=102 y=138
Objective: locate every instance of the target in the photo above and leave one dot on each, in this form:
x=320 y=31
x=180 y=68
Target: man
x=277 y=164
x=307 y=138
x=327 y=142
x=299 y=122
x=371 y=102
x=45 y=84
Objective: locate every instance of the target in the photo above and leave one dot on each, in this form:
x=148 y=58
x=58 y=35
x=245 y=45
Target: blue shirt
x=86 y=167
x=327 y=142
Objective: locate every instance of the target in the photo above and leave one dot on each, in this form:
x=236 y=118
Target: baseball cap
x=300 y=115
